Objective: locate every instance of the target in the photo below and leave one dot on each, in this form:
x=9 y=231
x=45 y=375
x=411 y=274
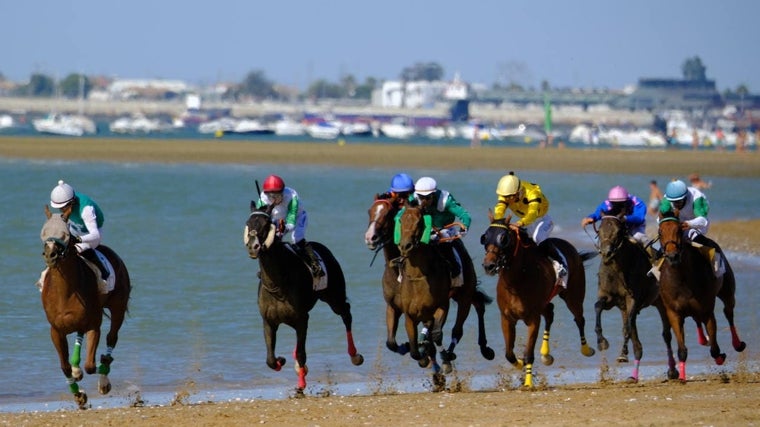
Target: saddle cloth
x=104 y=286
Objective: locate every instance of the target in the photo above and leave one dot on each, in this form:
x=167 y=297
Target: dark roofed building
x=673 y=94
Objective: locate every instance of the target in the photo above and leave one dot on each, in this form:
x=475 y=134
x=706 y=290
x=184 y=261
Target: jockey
x=444 y=209
x=289 y=210
x=528 y=202
x=633 y=209
x=692 y=208
x=85 y=219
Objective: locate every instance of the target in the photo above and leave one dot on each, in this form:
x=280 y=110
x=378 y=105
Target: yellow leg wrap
x=545 y=344
x=528 y=375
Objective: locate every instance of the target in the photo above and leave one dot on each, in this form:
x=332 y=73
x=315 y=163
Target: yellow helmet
x=508 y=185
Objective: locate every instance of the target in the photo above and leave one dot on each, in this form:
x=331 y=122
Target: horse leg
x=701 y=338
x=532 y=324
x=62 y=347
x=712 y=333
x=463 y=299
x=601 y=342
x=480 y=309
x=546 y=357
x=391 y=320
x=508 y=331
x=577 y=310
x=345 y=315
x=411 y=332
x=270 y=339
x=625 y=317
x=299 y=354
x=676 y=323
x=667 y=337
x=727 y=295
x=439 y=317
x=638 y=351
x=117 y=319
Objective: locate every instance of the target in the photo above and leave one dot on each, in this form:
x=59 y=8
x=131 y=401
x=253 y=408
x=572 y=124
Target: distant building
x=672 y=94
x=147 y=89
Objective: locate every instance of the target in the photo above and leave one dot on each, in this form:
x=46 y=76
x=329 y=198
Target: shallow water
x=194 y=328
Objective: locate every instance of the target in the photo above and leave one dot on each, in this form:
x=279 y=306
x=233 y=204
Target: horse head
x=411 y=229
x=56 y=237
x=260 y=231
x=380 y=228
x=612 y=234
x=497 y=240
x=670 y=235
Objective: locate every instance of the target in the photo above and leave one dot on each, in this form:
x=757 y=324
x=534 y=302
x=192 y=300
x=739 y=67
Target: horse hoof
x=76 y=373
x=547 y=359
x=357 y=359
x=742 y=345
x=622 y=359
x=720 y=359
x=447 y=368
x=672 y=374
x=632 y=380
x=81 y=399
x=104 y=385
x=602 y=344
x=487 y=353
x=424 y=362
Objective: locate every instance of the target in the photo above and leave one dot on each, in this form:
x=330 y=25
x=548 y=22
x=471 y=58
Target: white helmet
x=61 y=195
x=425 y=186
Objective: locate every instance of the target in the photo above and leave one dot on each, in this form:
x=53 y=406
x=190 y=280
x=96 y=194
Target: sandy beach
x=720 y=398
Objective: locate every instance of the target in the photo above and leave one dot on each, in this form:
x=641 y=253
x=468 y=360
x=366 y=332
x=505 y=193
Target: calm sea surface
x=194 y=324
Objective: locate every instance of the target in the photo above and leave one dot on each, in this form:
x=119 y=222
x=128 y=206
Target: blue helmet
x=402 y=182
x=676 y=190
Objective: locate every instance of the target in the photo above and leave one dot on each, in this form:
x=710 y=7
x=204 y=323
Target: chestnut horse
x=689 y=287
x=379 y=235
x=625 y=284
x=72 y=303
x=286 y=292
x=526 y=286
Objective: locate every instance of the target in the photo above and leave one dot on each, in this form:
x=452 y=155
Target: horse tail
x=481 y=297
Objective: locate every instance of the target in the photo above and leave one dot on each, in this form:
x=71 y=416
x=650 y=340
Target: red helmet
x=273 y=184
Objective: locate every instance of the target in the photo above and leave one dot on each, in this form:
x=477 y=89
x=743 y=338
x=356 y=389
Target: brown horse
x=423 y=294
x=689 y=287
x=72 y=304
x=379 y=235
x=624 y=283
x=526 y=286
x=286 y=291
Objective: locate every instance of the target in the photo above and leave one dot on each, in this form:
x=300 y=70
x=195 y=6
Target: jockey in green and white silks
x=692 y=206
x=287 y=207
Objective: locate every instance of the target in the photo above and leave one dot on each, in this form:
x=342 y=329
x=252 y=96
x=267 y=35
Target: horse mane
x=383 y=196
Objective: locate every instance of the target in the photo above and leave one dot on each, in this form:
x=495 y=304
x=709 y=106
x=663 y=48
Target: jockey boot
x=90 y=255
x=307 y=253
x=456 y=270
x=561 y=273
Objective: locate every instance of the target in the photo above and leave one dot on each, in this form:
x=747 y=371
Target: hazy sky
x=569 y=43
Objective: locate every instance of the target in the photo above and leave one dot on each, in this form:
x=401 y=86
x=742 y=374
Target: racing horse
x=423 y=294
x=286 y=291
x=625 y=284
x=526 y=285
x=72 y=304
x=379 y=236
x=689 y=287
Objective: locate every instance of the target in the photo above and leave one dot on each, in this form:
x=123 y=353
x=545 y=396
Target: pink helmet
x=617 y=194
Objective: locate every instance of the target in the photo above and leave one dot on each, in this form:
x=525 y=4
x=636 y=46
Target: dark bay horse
x=526 y=286
x=379 y=235
x=286 y=291
x=624 y=283
x=689 y=287
x=423 y=293
x=72 y=304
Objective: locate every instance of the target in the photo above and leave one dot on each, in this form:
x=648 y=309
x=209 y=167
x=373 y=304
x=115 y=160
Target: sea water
x=194 y=332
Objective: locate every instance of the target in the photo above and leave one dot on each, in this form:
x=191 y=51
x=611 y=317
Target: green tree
x=321 y=89
x=257 y=85
x=364 y=90
x=75 y=85
x=40 y=86
x=693 y=69
x=426 y=71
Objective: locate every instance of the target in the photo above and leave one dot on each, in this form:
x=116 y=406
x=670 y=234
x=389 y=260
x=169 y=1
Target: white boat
x=62 y=124
x=251 y=127
x=323 y=130
x=519 y=133
x=398 y=128
x=225 y=124
x=441 y=132
x=138 y=123
x=356 y=129
x=6 y=121
x=289 y=127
